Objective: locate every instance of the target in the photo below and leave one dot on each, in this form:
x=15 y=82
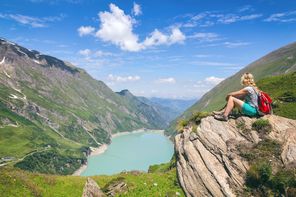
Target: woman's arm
x=238 y=94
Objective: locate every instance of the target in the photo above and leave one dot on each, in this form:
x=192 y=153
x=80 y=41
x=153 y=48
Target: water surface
x=135 y=151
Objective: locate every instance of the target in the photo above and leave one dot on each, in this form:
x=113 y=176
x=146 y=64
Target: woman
x=245 y=99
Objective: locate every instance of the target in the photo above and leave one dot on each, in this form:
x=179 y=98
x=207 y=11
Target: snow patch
x=18 y=49
x=7 y=75
x=3 y=60
x=36 y=61
x=10 y=42
x=12 y=96
x=18 y=90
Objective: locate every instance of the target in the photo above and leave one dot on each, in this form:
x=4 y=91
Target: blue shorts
x=249 y=110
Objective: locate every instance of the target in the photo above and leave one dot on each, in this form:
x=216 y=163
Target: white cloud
x=169 y=80
x=207 y=63
x=210 y=18
x=137 y=9
x=228 y=44
x=206 y=37
x=32 y=21
x=214 y=80
x=246 y=8
x=117 y=27
x=232 y=18
x=115 y=78
x=85 y=52
x=158 y=38
x=202 y=86
x=177 y=36
x=85 y=30
x=100 y=53
x=283 y=17
x=235 y=44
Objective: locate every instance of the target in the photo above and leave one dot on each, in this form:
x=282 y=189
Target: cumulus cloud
x=85 y=30
x=176 y=36
x=206 y=84
x=137 y=9
x=85 y=52
x=158 y=38
x=214 y=80
x=169 y=80
x=116 y=27
x=115 y=78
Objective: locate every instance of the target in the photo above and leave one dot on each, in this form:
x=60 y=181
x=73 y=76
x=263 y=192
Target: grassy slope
x=282 y=89
x=275 y=63
x=15 y=182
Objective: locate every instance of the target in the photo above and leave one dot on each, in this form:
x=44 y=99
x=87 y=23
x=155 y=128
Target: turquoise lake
x=135 y=151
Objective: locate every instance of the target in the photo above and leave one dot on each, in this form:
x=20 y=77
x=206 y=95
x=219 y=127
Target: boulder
x=208 y=163
x=91 y=189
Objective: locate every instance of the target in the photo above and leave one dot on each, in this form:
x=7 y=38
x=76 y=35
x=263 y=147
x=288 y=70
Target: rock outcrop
x=91 y=189
x=208 y=163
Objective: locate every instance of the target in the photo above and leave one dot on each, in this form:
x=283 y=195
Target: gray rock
x=208 y=163
x=91 y=189
x=116 y=186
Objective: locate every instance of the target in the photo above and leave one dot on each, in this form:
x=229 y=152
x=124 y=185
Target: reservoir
x=133 y=151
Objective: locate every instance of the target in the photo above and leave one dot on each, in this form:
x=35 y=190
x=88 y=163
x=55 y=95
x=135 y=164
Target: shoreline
x=94 y=151
x=137 y=131
x=104 y=147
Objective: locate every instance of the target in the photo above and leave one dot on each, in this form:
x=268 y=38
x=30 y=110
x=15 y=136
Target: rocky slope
x=210 y=161
x=278 y=62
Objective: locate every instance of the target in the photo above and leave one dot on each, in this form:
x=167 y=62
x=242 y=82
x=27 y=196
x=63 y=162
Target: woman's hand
x=237 y=94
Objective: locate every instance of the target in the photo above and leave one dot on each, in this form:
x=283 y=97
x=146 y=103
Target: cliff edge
x=210 y=157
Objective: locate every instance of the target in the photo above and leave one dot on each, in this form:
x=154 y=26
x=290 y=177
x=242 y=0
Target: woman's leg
x=231 y=103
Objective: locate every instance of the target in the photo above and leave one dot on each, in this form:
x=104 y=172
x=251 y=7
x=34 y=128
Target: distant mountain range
x=50 y=107
x=278 y=62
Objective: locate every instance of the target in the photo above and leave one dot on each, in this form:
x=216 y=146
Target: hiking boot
x=217 y=112
x=221 y=117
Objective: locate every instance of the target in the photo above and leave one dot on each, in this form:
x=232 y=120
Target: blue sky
x=168 y=48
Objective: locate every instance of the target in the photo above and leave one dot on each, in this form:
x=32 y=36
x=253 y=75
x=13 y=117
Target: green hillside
x=277 y=62
x=50 y=108
x=282 y=90
x=162 y=182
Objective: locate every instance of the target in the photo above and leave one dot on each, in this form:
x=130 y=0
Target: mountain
x=155 y=115
x=177 y=105
x=277 y=62
x=52 y=109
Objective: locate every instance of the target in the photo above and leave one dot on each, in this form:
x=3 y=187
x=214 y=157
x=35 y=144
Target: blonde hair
x=248 y=79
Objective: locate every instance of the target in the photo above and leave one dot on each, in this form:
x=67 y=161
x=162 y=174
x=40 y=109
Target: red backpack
x=264 y=103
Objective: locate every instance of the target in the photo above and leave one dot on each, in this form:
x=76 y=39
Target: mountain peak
x=125 y=92
x=14 y=52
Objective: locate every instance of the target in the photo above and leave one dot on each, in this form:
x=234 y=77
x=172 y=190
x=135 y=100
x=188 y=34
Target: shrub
x=197 y=116
x=258 y=174
x=283 y=180
x=262 y=126
x=182 y=124
x=266 y=149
